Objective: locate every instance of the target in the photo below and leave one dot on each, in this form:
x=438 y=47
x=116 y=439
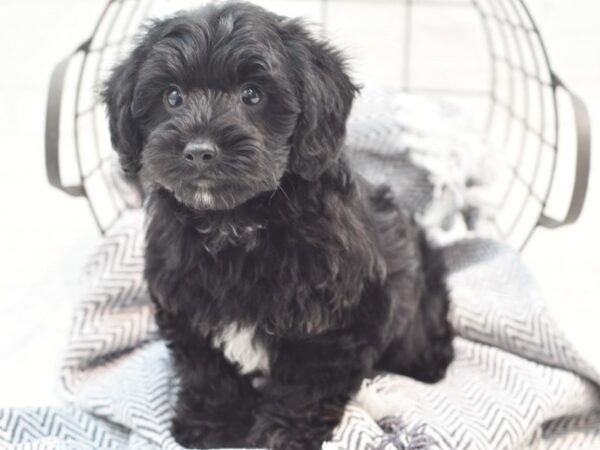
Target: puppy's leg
x=424 y=350
x=310 y=383
x=214 y=403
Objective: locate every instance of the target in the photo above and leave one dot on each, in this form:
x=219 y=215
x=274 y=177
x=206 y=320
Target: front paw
x=281 y=429
x=282 y=437
x=209 y=432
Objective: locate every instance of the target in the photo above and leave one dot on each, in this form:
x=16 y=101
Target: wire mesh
x=484 y=56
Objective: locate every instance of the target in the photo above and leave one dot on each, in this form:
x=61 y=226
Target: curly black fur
x=274 y=236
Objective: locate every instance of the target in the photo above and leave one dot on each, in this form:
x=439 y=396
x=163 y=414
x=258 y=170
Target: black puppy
x=280 y=277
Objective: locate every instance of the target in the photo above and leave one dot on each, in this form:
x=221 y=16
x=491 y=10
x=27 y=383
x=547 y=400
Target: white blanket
x=515 y=383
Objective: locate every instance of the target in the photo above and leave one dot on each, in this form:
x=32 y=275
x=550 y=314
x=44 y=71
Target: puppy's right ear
x=125 y=135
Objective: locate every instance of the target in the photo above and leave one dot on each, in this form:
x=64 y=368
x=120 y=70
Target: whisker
x=280 y=188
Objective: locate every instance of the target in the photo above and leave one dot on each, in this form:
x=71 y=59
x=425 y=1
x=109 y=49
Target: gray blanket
x=515 y=383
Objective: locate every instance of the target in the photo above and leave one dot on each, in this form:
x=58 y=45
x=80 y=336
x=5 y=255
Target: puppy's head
x=217 y=104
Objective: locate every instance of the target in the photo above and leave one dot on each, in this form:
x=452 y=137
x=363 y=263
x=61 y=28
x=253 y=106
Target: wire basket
x=484 y=56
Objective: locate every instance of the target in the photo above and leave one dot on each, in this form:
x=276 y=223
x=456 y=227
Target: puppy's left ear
x=325 y=93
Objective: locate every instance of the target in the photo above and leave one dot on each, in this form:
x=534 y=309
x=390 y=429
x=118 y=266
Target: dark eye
x=251 y=95
x=173 y=97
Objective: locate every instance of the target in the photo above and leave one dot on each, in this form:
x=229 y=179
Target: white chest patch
x=240 y=346
x=203 y=197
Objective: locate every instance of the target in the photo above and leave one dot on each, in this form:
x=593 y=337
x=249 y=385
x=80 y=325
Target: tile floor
x=45 y=235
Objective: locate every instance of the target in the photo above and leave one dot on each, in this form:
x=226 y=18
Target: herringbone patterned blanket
x=516 y=381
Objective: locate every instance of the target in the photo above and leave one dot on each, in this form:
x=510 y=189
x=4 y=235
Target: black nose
x=200 y=153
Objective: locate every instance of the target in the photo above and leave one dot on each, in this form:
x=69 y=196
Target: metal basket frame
x=511 y=16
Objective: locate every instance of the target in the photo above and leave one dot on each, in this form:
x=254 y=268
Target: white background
x=45 y=235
